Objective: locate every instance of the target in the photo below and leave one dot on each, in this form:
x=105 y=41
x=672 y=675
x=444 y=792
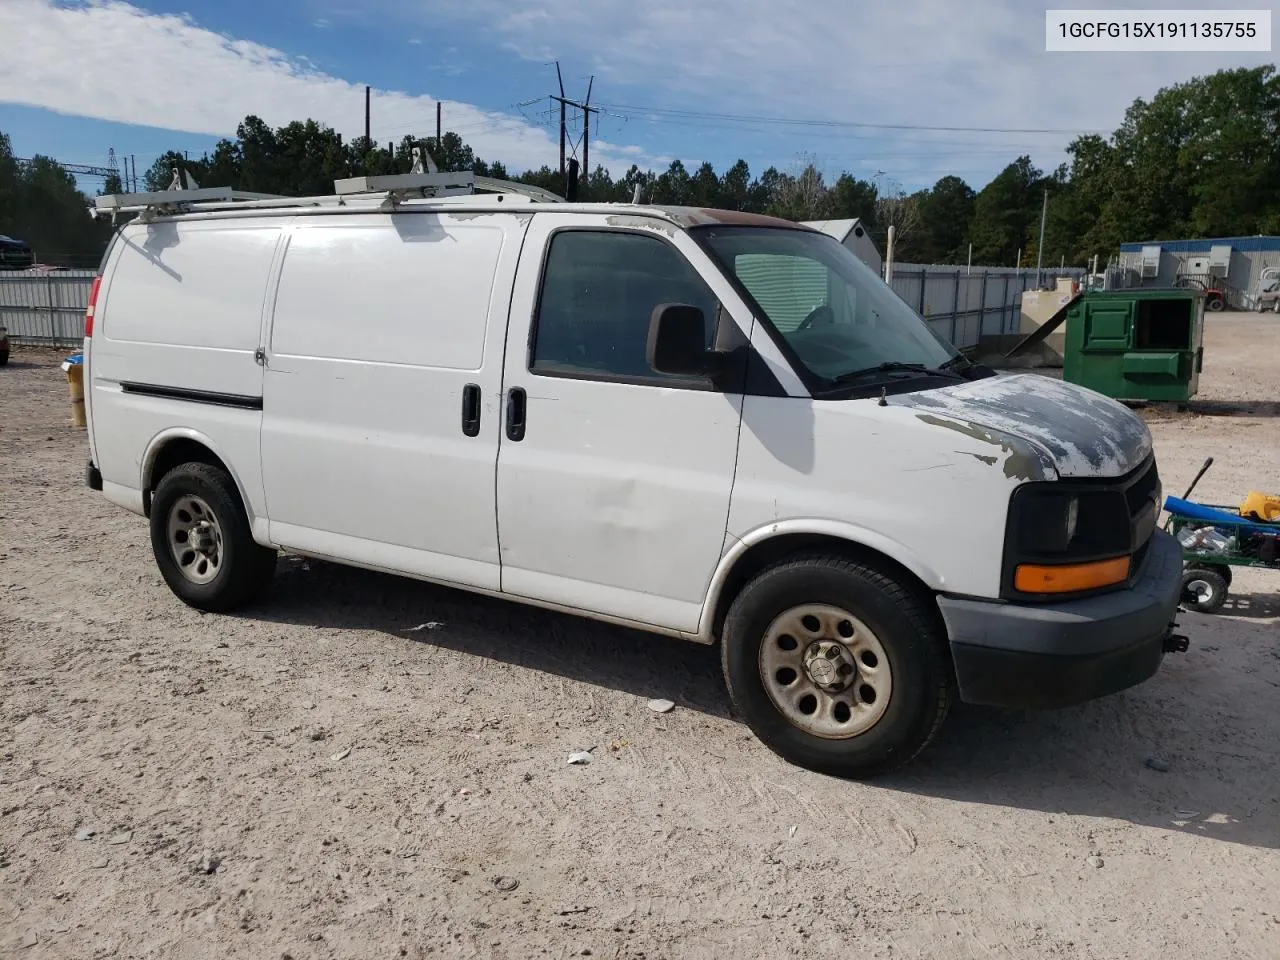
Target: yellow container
x=1261 y=506
x=75 y=386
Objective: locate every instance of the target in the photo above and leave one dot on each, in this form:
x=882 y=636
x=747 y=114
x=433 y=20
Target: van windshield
x=839 y=318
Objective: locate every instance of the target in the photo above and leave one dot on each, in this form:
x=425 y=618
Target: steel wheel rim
x=825 y=671
x=1201 y=591
x=195 y=539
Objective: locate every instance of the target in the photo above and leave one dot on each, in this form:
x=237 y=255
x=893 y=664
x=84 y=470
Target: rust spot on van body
x=708 y=216
x=633 y=221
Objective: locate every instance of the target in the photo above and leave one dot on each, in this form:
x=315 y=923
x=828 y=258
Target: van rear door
x=384 y=366
x=177 y=323
x=613 y=480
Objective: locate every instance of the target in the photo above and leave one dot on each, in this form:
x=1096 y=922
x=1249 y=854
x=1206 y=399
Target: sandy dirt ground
x=369 y=767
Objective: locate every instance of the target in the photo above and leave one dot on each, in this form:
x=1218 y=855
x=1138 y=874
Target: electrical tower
x=571 y=189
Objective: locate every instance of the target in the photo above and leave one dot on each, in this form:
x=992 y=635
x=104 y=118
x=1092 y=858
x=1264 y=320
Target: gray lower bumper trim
x=1094 y=625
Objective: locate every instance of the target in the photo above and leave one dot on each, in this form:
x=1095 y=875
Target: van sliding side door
x=381 y=401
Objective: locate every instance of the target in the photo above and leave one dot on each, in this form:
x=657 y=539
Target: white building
x=854 y=236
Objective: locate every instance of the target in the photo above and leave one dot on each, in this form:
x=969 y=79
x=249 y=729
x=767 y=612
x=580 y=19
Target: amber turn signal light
x=1070 y=577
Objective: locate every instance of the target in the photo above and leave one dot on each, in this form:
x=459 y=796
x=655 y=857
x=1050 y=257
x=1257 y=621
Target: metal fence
x=965 y=304
x=45 y=308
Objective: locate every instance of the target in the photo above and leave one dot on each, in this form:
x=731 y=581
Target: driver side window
x=599 y=290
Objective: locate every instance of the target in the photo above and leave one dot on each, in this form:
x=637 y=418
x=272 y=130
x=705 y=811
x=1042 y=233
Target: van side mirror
x=677 y=341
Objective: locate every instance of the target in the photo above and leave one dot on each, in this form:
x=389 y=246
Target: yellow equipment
x=1261 y=506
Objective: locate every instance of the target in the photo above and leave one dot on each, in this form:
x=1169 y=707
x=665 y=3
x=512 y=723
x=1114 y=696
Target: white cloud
x=923 y=62
x=184 y=77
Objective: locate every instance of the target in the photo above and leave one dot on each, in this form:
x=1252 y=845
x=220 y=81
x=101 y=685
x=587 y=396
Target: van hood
x=1074 y=431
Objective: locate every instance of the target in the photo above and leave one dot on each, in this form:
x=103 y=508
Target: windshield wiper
x=959 y=361
x=892 y=366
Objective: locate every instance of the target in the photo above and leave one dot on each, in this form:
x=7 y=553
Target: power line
x=794 y=122
x=812 y=134
x=79 y=169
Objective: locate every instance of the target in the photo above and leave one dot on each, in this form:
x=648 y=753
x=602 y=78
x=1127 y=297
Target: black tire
x=910 y=635
x=1204 y=588
x=4 y=358
x=244 y=568
x=1215 y=304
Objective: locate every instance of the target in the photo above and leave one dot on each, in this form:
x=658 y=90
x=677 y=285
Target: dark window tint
x=598 y=293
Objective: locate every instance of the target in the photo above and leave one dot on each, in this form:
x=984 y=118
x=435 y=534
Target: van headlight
x=1062 y=539
x=1072 y=519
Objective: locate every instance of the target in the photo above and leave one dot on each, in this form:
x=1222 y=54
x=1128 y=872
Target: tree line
x=41 y=205
x=1200 y=158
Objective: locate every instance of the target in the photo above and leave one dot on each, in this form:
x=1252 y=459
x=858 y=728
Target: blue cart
x=1215 y=539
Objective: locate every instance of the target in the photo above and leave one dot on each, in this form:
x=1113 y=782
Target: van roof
x=244 y=205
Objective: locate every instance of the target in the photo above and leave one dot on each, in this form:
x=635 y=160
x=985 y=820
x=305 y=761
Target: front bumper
x=1013 y=655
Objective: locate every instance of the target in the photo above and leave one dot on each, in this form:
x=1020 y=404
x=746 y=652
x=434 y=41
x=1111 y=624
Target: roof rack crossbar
x=422 y=184
x=425 y=182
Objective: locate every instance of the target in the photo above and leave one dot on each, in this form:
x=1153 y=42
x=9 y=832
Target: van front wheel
x=201 y=540
x=835 y=666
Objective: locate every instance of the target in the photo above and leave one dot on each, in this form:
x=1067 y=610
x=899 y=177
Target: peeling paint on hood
x=1023 y=460
x=1082 y=433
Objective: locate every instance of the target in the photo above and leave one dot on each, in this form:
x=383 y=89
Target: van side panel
x=380 y=324
x=177 y=324
x=932 y=499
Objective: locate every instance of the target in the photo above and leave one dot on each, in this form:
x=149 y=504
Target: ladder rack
x=424 y=182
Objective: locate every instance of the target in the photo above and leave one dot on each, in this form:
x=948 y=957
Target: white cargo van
x=712 y=425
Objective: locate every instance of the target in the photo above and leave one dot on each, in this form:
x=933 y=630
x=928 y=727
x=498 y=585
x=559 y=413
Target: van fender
x=158 y=442
x=838 y=530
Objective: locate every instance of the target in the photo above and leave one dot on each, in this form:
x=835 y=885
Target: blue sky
x=706 y=80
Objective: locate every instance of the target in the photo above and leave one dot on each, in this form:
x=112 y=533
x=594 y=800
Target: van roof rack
x=426 y=182
x=176 y=198
x=184 y=195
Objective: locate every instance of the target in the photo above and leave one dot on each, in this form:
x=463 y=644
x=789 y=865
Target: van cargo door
x=384 y=366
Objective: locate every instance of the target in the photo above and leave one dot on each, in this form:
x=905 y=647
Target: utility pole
x=586 y=134
x=439 y=125
x=587 y=110
x=586 y=145
x=563 y=130
x=367 y=96
x=571 y=181
x=1044 y=213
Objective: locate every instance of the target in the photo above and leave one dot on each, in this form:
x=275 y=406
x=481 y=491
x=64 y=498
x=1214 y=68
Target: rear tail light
x=88 y=311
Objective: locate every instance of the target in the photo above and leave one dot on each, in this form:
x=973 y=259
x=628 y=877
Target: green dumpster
x=1142 y=344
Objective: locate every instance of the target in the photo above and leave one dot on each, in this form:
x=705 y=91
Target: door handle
x=515 y=413
x=471 y=409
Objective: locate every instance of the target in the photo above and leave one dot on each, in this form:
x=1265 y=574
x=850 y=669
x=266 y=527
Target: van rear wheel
x=835 y=666
x=201 y=540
